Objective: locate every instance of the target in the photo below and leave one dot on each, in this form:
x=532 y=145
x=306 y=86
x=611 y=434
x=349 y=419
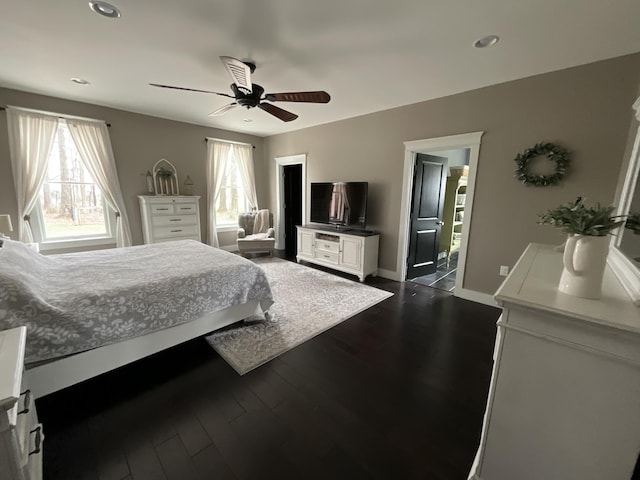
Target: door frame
x=432 y=145
x=281 y=162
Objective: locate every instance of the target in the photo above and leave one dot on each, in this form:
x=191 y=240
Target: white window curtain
x=94 y=145
x=217 y=158
x=31 y=137
x=243 y=155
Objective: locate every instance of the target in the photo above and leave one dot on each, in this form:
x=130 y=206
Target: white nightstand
x=21 y=435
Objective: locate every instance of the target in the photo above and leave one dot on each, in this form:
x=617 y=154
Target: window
x=71 y=207
x=232 y=200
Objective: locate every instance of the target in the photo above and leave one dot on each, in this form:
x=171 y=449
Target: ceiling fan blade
x=190 y=90
x=240 y=72
x=224 y=109
x=311 y=97
x=278 y=112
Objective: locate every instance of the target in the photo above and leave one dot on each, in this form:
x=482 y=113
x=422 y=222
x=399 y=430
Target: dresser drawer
x=185 y=208
x=33 y=467
x=162 y=209
x=327 y=246
x=176 y=231
x=25 y=422
x=326 y=256
x=174 y=239
x=170 y=221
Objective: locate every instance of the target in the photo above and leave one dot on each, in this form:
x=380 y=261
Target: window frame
x=37 y=227
x=71 y=242
x=230 y=226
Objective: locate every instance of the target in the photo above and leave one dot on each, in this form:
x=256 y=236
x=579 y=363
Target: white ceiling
x=370 y=55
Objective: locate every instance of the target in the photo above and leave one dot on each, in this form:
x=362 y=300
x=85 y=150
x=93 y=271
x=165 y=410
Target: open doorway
x=292 y=208
x=457 y=257
x=453 y=199
x=291 y=201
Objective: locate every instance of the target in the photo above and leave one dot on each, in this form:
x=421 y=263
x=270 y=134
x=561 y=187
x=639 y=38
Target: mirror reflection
x=629 y=241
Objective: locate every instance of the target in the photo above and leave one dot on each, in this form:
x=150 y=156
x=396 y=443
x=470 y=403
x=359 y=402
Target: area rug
x=307 y=302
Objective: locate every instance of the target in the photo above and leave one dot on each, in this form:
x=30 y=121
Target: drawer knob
x=176 y=231
x=175 y=219
x=38 y=441
x=27 y=401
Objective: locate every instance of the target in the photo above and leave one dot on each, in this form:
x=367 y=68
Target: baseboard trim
x=389 y=274
x=474 y=296
x=478 y=297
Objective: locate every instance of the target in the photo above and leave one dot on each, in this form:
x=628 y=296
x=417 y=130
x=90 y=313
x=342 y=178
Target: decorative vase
x=188 y=186
x=150 y=188
x=585 y=258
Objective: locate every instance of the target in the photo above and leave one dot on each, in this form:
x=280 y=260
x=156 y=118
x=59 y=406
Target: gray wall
x=585 y=109
x=138 y=142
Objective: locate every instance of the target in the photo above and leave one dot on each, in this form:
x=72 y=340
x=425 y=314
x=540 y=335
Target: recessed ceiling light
x=488 y=41
x=105 y=9
x=248 y=120
x=80 y=81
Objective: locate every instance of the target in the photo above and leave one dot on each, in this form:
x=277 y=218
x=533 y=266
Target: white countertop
x=533 y=282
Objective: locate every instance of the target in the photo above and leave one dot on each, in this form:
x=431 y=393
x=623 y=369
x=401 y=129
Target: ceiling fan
x=250 y=95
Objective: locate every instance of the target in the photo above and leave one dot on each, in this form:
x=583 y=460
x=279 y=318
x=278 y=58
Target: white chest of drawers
x=564 y=398
x=166 y=218
x=20 y=434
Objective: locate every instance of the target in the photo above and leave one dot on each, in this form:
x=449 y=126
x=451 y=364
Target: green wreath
x=555 y=154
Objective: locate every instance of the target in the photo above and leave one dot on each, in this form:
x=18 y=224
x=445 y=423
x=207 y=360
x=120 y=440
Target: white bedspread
x=75 y=302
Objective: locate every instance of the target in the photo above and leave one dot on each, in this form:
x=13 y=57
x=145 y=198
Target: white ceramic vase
x=585 y=258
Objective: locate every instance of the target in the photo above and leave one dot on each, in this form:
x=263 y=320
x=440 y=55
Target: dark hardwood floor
x=396 y=392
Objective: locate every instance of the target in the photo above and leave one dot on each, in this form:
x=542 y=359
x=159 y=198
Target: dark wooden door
x=292 y=206
x=427 y=206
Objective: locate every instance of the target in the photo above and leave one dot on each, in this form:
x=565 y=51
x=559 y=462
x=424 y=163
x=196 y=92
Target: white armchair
x=255 y=232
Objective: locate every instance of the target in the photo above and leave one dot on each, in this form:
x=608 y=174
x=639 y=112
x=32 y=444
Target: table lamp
x=5 y=225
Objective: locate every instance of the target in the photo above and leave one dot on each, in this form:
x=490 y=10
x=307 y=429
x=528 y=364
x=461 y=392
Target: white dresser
x=166 y=218
x=352 y=252
x=21 y=435
x=564 y=398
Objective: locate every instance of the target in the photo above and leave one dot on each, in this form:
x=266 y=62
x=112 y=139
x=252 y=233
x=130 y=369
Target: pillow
x=23 y=265
x=22 y=283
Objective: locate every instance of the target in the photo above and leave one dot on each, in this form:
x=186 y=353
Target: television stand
x=349 y=251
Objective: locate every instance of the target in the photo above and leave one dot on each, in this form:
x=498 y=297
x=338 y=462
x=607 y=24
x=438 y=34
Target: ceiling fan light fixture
x=250 y=95
x=105 y=9
x=80 y=81
x=488 y=41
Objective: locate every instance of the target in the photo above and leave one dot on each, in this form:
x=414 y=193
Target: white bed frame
x=58 y=374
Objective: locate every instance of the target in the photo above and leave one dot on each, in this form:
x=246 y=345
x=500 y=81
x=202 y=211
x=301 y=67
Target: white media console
x=350 y=251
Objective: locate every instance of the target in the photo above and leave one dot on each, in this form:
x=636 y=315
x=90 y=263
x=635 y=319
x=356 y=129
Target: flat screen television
x=343 y=204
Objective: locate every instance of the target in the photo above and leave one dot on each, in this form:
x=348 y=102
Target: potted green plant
x=586 y=249
x=578 y=219
x=633 y=222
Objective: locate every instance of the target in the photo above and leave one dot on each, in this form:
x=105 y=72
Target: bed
x=89 y=313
